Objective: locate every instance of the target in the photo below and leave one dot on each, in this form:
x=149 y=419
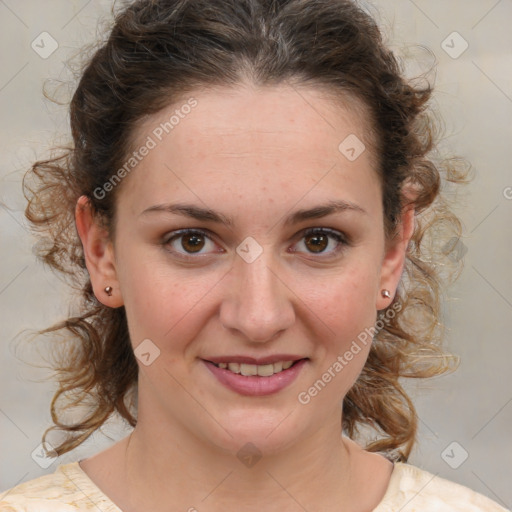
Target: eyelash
x=339 y=237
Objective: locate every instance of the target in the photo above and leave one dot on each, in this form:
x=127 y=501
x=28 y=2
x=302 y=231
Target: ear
x=394 y=257
x=99 y=254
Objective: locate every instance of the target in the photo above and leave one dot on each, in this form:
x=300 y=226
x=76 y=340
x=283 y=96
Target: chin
x=265 y=432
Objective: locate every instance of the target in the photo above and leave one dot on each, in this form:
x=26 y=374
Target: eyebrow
x=208 y=215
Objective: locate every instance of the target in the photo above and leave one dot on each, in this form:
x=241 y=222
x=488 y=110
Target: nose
x=258 y=305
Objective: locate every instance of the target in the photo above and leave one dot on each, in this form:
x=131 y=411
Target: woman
x=250 y=186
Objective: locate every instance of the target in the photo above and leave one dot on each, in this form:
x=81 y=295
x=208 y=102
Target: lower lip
x=253 y=385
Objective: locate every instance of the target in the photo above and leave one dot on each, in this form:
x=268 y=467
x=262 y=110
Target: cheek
x=349 y=310
x=347 y=307
x=164 y=305
x=345 y=301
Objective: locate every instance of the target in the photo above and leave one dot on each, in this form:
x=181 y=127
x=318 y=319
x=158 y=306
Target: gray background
x=471 y=407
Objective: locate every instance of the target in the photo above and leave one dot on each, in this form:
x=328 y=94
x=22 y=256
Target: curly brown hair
x=156 y=52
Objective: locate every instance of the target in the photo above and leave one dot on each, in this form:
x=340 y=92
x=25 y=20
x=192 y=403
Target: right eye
x=188 y=242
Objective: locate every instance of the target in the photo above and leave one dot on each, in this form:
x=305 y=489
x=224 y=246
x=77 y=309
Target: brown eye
x=189 y=242
x=316 y=243
x=322 y=241
x=193 y=242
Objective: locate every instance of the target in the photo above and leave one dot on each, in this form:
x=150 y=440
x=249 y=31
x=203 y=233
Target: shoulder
x=412 y=489
x=68 y=489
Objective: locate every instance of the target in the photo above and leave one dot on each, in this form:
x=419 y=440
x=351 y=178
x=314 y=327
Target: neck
x=163 y=468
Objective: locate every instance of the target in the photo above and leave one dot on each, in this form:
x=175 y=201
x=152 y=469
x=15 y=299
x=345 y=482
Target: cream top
x=410 y=489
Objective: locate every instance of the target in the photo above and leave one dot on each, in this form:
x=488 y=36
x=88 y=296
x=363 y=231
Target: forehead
x=251 y=137
x=246 y=111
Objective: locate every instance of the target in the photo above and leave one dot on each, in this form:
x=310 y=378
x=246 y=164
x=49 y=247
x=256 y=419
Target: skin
x=255 y=155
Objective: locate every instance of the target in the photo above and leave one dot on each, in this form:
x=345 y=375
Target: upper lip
x=255 y=360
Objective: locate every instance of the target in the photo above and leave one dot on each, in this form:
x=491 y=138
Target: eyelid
x=187 y=231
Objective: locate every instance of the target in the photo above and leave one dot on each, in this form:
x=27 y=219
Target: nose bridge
x=259 y=306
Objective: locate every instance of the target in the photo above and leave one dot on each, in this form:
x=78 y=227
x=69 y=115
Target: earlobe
x=394 y=260
x=98 y=254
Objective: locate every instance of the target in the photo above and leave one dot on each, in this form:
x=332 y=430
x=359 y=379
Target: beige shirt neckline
x=82 y=481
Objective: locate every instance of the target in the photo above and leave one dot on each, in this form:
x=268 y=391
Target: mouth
x=247 y=378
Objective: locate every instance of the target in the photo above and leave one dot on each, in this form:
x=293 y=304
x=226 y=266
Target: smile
x=254 y=379
x=262 y=370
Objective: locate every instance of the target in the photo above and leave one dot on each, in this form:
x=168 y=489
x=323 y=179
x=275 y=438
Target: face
x=226 y=251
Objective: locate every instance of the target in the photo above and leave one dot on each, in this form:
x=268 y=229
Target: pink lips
x=254 y=385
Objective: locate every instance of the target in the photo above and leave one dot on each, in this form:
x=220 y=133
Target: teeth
x=263 y=370
x=234 y=367
x=248 y=369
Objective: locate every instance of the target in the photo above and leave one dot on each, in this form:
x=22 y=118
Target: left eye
x=318 y=240
x=188 y=242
